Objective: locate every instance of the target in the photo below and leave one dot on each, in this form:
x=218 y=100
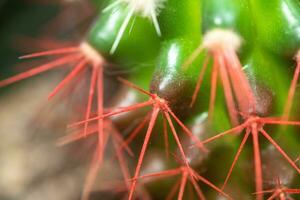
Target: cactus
x=212 y=85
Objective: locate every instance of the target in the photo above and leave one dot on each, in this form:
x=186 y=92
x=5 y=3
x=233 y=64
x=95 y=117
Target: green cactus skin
x=171 y=81
x=280 y=34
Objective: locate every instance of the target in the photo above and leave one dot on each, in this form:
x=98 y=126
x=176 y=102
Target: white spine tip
x=146 y=8
x=91 y=54
x=221 y=39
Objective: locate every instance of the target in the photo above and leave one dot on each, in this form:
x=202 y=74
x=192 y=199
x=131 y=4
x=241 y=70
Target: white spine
x=145 y=8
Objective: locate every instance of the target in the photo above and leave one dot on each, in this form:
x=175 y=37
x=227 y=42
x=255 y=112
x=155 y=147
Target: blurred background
x=32 y=166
